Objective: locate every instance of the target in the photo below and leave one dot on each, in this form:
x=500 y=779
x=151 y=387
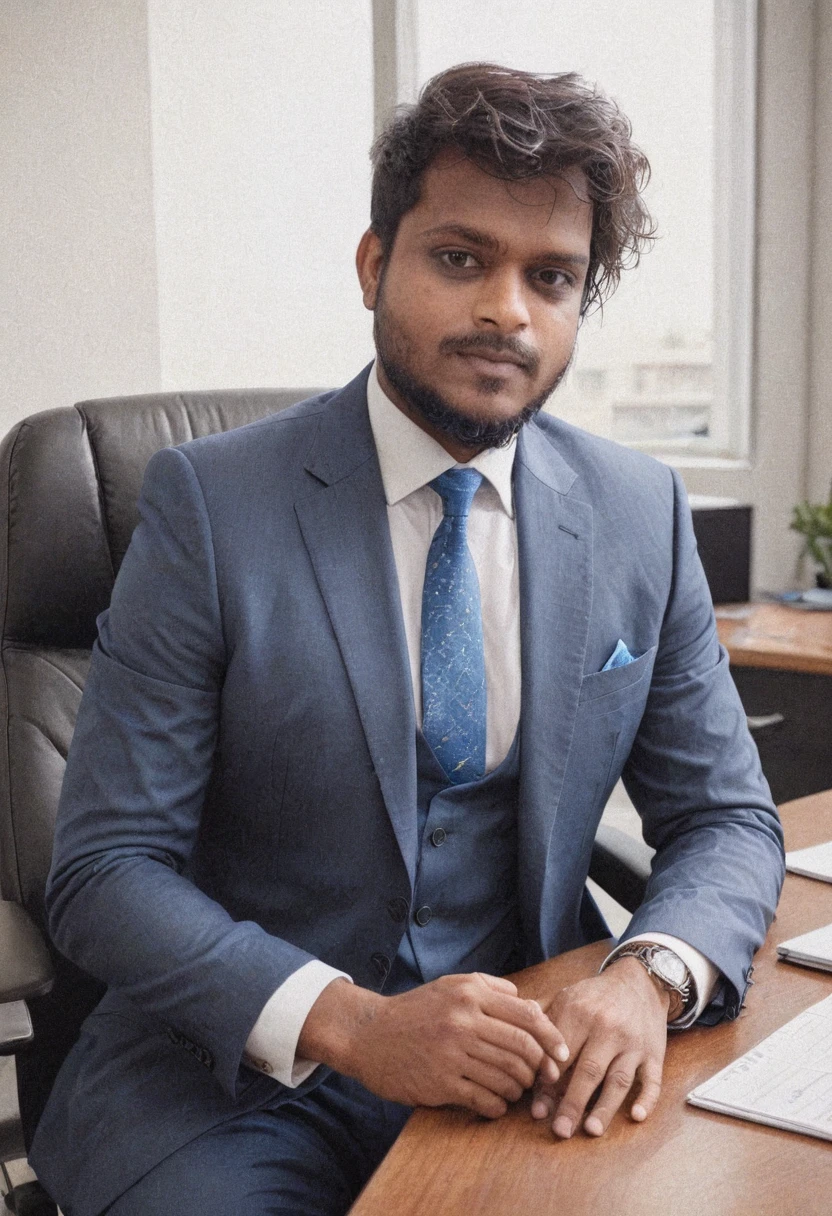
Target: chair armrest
x=15 y=1029
x=25 y=965
x=621 y=866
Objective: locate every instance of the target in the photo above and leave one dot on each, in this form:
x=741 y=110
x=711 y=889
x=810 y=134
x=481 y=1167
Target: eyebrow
x=484 y=240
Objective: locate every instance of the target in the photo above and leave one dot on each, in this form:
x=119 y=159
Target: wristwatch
x=669 y=972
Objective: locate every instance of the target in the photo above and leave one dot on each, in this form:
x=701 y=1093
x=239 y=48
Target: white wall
x=182 y=191
x=819 y=456
x=77 y=259
x=262 y=122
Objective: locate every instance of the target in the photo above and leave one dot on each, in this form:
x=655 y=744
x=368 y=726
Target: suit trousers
x=306 y=1157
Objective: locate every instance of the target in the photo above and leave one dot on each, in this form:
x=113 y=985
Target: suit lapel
x=343 y=519
x=554 y=534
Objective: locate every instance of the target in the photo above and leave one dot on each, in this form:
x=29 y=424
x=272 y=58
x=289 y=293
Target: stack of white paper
x=812 y=949
x=786 y=1081
x=815 y=862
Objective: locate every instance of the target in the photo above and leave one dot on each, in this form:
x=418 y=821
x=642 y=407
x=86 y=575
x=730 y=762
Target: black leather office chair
x=69 y=481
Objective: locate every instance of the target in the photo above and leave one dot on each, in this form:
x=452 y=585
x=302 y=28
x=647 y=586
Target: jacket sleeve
x=119 y=904
x=695 y=777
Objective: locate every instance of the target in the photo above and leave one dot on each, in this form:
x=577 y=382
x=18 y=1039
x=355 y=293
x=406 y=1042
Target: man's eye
x=458 y=259
x=551 y=277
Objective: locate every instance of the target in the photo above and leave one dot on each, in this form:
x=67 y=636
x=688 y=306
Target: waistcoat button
x=423 y=915
x=398 y=909
x=438 y=836
x=382 y=965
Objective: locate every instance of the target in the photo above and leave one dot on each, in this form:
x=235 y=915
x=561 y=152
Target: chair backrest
x=69 y=482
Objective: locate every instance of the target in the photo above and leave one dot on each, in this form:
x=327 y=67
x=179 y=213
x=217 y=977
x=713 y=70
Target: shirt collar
x=410 y=458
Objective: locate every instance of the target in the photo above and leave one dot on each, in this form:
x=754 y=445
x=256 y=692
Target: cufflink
x=260 y=1065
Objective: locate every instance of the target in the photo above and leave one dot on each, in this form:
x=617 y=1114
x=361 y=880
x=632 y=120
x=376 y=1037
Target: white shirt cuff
x=272 y=1045
x=703 y=973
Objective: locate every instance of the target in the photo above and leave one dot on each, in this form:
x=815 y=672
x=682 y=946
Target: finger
x=508 y=1062
x=498 y=983
x=548 y=1070
x=649 y=1091
x=493 y=1079
x=544 y=1098
x=528 y=1016
x=515 y=1041
x=617 y=1084
x=480 y=1100
x=590 y=1070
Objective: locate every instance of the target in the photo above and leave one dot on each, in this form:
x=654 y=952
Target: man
x=371 y=669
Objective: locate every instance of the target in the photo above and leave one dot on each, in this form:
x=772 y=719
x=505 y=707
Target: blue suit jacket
x=240 y=795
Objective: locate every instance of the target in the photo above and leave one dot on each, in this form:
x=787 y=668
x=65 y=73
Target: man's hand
x=615 y=1025
x=462 y=1040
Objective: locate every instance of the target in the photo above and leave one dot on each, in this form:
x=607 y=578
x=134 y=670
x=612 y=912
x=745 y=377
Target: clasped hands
x=472 y=1041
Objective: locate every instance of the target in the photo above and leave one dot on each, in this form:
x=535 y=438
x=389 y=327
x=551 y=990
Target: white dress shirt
x=409 y=459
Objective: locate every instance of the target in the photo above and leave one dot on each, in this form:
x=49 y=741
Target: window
x=666 y=366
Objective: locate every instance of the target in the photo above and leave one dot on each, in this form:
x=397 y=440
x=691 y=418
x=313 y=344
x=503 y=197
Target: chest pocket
x=602 y=692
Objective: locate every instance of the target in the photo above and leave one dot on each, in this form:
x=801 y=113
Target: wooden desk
x=777 y=636
x=683 y=1161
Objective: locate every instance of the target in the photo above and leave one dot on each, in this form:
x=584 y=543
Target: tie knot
x=457 y=488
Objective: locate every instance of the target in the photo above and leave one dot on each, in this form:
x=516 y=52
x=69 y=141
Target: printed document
x=815 y=862
x=813 y=949
x=786 y=1081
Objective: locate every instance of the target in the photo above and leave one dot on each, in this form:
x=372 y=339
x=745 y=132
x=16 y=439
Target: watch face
x=670 y=967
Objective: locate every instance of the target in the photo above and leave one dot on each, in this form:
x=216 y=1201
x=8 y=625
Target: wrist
x=667 y=971
x=338 y=1017
x=632 y=971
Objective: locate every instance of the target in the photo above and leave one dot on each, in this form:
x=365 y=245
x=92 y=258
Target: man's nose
x=501 y=302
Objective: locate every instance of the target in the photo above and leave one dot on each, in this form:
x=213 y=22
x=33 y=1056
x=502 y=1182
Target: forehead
x=537 y=211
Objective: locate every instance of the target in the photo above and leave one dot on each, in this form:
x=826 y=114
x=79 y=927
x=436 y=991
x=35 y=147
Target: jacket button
x=423 y=915
x=382 y=965
x=398 y=909
x=438 y=836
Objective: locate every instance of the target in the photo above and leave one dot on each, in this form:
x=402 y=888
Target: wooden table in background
x=777 y=636
x=683 y=1161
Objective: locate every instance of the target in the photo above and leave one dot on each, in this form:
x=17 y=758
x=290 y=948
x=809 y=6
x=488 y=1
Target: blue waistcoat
x=464 y=914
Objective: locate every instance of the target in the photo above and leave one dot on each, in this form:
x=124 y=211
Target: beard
x=468 y=430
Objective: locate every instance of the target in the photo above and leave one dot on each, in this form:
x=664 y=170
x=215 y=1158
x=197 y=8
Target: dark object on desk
x=69 y=481
x=789 y=713
x=723 y=535
x=781 y=661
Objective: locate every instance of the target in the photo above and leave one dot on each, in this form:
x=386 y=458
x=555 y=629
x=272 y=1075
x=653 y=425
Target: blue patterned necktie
x=453 y=666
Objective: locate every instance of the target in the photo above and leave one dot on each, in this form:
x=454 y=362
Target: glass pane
x=643 y=370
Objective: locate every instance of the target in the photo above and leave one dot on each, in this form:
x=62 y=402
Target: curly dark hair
x=517 y=125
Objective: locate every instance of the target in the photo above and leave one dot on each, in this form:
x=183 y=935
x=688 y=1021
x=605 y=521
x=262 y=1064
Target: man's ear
x=369 y=260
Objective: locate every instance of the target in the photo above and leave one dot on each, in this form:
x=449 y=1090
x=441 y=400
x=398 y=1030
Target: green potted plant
x=814 y=522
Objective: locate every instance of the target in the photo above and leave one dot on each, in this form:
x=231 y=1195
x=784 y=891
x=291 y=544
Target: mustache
x=525 y=355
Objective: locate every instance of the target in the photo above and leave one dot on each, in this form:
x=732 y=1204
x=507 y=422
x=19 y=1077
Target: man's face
x=478 y=303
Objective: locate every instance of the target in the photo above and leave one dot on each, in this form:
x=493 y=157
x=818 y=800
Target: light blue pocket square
x=620 y=657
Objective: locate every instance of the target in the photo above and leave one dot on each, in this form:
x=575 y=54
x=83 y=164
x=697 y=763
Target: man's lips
x=488 y=364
